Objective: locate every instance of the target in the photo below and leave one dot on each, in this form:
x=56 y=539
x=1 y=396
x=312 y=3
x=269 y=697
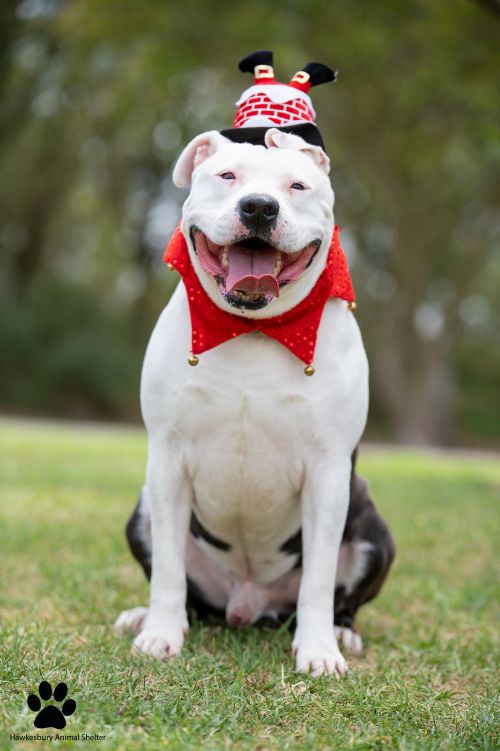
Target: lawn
x=426 y=680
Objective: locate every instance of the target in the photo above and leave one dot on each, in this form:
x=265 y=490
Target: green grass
x=426 y=680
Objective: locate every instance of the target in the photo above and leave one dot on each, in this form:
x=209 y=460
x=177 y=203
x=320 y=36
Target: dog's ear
x=194 y=154
x=279 y=139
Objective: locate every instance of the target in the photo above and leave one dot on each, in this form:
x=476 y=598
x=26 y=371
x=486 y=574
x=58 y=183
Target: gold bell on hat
x=309 y=369
x=352 y=306
x=170 y=267
x=193 y=360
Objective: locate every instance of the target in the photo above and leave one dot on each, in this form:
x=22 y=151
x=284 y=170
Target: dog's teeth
x=224 y=260
x=278 y=263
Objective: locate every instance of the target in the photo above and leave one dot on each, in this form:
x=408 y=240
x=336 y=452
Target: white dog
x=250 y=472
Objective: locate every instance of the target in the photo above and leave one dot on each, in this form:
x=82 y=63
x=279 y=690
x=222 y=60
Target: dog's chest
x=244 y=453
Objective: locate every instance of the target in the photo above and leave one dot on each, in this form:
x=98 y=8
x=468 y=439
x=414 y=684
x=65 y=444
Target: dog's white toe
x=161 y=637
x=328 y=663
x=130 y=620
x=321 y=657
x=157 y=645
x=350 y=640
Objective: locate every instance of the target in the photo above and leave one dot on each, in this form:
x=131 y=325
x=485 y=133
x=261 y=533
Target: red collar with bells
x=297 y=329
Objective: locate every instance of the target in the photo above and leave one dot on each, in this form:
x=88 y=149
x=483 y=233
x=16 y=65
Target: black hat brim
x=307 y=131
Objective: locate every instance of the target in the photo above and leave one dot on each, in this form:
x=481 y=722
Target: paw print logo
x=51 y=716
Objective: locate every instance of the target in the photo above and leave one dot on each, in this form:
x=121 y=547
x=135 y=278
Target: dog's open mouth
x=251 y=272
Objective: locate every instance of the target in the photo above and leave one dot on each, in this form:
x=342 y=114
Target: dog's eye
x=298 y=186
x=227 y=175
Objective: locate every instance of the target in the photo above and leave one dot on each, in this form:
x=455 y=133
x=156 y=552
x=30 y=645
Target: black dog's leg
x=138 y=532
x=367 y=535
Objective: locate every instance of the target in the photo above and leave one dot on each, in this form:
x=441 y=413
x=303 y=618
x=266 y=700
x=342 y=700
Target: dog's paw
x=319 y=656
x=130 y=620
x=162 y=642
x=350 y=640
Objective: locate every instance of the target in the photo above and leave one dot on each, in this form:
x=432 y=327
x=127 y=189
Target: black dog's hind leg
x=138 y=532
x=367 y=552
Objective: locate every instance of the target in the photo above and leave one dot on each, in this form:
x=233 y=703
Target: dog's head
x=258 y=219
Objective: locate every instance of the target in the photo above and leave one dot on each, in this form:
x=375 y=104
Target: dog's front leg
x=170 y=499
x=325 y=499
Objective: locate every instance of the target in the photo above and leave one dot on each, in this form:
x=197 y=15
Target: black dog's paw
x=51 y=716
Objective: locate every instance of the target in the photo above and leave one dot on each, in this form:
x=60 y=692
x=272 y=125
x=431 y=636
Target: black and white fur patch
x=366 y=553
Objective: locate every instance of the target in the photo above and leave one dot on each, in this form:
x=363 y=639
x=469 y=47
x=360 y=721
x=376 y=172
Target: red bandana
x=297 y=329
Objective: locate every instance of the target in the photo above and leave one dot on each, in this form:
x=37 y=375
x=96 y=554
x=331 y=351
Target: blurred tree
x=97 y=101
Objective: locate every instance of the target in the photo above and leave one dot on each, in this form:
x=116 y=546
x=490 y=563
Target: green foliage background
x=99 y=98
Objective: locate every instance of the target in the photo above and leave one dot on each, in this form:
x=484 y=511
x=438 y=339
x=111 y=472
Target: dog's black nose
x=258 y=211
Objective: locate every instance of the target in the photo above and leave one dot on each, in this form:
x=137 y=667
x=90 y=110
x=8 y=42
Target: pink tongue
x=251 y=271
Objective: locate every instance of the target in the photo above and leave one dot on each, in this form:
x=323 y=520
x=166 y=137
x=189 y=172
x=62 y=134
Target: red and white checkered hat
x=269 y=103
